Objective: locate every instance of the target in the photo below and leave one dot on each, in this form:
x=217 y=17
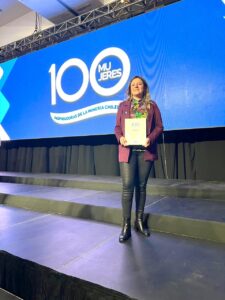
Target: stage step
x=5 y=295
x=162 y=187
x=161 y=267
x=196 y=218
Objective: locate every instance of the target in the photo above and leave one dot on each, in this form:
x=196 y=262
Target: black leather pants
x=135 y=175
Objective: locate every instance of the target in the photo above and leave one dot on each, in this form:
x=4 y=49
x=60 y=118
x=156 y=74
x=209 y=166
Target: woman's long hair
x=146 y=92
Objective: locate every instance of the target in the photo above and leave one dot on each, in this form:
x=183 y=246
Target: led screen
x=74 y=88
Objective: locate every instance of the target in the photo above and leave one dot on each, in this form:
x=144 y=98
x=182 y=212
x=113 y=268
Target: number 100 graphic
x=107 y=73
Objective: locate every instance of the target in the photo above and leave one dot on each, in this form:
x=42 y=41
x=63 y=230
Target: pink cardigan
x=154 y=129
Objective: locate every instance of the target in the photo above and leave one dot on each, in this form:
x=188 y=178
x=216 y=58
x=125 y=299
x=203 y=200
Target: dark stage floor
x=82 y=238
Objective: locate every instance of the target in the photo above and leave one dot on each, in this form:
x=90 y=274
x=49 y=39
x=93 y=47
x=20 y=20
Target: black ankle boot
x=139 y=225
x=126 y=231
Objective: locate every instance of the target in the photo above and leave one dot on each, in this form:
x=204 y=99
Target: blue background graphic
x=179 y=49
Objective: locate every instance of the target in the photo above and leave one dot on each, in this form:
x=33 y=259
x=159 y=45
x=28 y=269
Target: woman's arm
x=158 y=129
x=118 y=128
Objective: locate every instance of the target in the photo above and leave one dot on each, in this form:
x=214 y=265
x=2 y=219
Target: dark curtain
x=186 y=154
x=31 y=281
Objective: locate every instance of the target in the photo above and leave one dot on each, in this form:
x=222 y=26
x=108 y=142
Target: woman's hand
x=147 y=143
x=123 y=141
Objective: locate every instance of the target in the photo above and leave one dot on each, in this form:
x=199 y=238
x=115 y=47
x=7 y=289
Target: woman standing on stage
x=136 y=161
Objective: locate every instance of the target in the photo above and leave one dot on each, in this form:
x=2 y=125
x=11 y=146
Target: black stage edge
x=30 y=280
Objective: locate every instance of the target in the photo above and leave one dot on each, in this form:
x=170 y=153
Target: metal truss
x=111 y=13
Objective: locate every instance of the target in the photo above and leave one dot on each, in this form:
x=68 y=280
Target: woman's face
x=137 y=88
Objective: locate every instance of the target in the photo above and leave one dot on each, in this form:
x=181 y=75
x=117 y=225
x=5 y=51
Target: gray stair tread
x=204 y=209
x=172 y=183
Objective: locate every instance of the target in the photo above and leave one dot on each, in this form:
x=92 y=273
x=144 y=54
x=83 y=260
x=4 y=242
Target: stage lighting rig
x=105 y=15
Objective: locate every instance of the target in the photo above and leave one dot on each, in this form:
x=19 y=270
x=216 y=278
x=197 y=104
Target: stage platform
x=71 y=224
x=173 y=206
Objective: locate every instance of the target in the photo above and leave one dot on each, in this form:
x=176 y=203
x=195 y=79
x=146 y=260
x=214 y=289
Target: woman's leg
x=128 y=171
x=128 y=179
x=143 y=171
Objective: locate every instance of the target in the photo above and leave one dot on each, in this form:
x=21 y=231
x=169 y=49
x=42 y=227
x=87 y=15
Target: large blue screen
x=74 y=88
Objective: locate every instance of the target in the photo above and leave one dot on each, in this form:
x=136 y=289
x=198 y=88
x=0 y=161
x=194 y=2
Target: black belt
x=138 y=150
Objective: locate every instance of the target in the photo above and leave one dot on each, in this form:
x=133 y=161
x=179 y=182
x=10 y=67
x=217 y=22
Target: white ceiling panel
x=11 y=10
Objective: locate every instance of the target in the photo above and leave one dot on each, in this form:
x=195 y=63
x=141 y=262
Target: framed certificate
x=135 y=131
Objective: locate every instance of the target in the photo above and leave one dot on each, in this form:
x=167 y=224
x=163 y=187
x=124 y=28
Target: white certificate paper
x=135 y=131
